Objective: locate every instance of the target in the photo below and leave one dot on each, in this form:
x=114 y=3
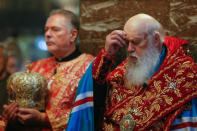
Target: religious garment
x=3 y=123
x=155 y=104
x=187 y=119
x=82 y=114
x=63 y=77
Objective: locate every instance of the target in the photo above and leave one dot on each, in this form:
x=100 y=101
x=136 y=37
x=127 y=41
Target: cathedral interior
x=22 y=24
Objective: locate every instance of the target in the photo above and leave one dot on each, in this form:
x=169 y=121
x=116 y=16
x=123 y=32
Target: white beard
x=138 y=71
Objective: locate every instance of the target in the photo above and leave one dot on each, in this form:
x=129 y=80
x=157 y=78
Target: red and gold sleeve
x=101 y=67
x=3 y=123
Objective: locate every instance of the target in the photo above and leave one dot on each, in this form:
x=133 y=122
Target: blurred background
x=22 y=28
x=22 y=23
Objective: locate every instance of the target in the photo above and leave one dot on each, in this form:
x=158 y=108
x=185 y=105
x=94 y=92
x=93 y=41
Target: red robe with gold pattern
x=156 y=106
x=62 y=86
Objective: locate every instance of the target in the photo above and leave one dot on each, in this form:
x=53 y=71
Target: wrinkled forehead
x=58 y=20
x=132 y=33
x=135 y=29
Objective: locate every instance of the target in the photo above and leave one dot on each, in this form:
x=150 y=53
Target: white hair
x=138 y=72
x=154 y=27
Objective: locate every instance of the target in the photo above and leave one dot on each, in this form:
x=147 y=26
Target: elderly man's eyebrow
x=134 y=40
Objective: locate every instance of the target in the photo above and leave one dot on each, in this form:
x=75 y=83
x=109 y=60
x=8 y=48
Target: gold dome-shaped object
x=28 y=89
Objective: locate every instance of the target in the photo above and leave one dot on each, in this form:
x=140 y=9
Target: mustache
x=49 y=41
x=133 y=55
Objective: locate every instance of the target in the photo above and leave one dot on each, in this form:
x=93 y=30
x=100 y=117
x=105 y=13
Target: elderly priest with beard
x=155 y=88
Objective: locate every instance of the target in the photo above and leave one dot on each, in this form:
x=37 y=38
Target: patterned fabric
x=155 y=106
x=63 y=78
x=187 y=119
x=3 y=123
x=83 y=110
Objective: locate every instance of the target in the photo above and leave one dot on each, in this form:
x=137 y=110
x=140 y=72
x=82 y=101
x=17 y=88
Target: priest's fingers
x=10 y=111
x=23 y=118
x=119 y=39
x=29 y=116
x=13 y=114
x=114 y=41
x=25 y=111
x=120 y=33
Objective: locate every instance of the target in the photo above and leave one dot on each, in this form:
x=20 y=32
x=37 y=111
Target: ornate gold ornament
x=28 y=89
x=127 y=123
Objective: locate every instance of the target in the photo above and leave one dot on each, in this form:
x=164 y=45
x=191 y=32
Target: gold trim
x=2 y=123
x=167 y=109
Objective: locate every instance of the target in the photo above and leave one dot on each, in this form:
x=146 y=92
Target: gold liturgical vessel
x=28 y=89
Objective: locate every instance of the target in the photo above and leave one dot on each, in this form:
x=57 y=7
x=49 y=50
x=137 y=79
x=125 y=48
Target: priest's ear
x=157 y=40
x=74 y=34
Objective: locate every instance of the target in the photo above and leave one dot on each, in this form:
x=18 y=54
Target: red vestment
x=156 y=106
x=63 y=78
